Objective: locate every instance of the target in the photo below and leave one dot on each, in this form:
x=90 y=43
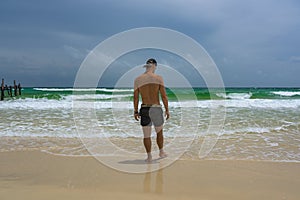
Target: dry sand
x=36 y=175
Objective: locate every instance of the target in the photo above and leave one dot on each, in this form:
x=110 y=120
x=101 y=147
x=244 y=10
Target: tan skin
x=149 y=86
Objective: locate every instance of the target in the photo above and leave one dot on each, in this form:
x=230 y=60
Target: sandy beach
x=82 y=83
x=37 y=175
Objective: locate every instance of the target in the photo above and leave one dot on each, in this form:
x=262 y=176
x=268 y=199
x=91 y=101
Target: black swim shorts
x=151 y=115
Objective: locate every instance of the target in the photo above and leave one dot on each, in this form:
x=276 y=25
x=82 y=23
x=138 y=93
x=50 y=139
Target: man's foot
x=149 y=159
x=162 y=154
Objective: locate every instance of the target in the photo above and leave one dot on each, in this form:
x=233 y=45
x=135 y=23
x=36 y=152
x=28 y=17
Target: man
x=149 y=85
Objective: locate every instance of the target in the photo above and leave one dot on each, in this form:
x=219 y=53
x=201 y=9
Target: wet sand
x=37 y=175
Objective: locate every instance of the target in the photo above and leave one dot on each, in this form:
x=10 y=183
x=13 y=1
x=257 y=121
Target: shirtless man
x=149 y=85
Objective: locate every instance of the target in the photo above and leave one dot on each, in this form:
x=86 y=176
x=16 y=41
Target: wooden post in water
x=20 y=88
x=10 y=90
x=15 y=88
x=2 y=90
x=6 y=88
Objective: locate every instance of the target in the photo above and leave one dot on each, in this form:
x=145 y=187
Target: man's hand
x=136 y=116
x=167 y=114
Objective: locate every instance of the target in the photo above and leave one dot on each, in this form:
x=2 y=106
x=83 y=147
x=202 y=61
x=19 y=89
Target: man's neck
x=150 y=71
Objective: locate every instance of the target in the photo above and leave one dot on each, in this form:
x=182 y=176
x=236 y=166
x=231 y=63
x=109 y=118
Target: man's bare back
x=149 y=85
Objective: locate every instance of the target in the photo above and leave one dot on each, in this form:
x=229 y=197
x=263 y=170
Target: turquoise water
x=260 y=123
x=199 y=93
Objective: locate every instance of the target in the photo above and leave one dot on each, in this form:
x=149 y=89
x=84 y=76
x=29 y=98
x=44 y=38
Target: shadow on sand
x=139 y=162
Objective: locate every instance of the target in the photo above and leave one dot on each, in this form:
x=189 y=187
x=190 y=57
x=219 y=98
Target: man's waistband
x=150 y=105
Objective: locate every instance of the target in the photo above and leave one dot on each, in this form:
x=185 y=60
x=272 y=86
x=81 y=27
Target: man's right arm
x=136 y=100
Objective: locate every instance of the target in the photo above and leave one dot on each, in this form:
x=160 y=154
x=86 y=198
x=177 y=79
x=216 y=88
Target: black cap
x=151 y=61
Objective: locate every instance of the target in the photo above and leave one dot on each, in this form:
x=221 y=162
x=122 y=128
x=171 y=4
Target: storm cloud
x=253 y=43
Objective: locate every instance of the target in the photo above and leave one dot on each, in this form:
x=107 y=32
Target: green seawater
x=174 y=94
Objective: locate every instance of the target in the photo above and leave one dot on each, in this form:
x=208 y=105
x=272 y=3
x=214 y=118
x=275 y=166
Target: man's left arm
x=164 y=98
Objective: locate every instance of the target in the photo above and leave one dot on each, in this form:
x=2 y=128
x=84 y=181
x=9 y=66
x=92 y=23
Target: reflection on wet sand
x=159 y=180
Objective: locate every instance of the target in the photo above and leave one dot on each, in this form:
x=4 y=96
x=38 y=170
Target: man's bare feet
x=149 y=158
x=162 y=154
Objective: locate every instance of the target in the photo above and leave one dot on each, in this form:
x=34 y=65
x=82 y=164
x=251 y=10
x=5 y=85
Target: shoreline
x=38 y=175
x=76 y=147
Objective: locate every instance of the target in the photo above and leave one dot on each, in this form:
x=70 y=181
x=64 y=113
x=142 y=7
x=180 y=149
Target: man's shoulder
x=143 y=77
x=139 y=77
x=158 y=77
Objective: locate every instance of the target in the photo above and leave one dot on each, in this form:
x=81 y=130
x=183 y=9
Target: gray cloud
x=295 y=59
x=254 y=43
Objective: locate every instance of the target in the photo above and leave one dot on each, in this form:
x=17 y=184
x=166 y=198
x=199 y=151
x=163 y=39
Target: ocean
x=260 y=123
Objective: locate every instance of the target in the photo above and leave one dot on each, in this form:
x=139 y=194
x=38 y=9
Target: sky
x=254 y=43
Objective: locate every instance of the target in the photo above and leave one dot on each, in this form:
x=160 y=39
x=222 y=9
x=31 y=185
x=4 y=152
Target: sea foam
x=287 y=93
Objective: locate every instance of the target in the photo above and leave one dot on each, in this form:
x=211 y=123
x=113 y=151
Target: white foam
x=82 y=90
x=97 y=96
x=274 y=144
x=257 y=130
x=235 y=95
x=91 y=100
x=37 y=135
x=286 y=93
x=264 y=103
x=114 y=90
x=35 y=104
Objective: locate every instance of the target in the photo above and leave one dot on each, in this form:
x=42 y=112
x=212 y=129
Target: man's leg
x=147 y=142
x=160 y=141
